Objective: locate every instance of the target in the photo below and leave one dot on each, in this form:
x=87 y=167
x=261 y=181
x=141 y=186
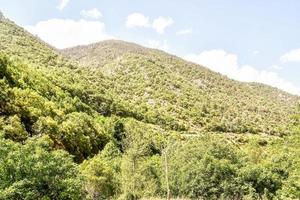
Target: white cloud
x=161 y=23
x=276 y=67
x=62 y=4
x=137 y=20
x=155 y=44
x=63 y=33
x=227 y=64
x=140 y=20
x=217 y=60
x=291 y=56
x=255 y=52
x=184 y=32
x=93 y=13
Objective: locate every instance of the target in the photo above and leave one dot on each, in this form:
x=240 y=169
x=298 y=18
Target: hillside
x=186 y=96
x=115 y=120
x=163 y=90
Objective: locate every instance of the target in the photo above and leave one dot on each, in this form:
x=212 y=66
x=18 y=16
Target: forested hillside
x=115 y=120
x=183 y=96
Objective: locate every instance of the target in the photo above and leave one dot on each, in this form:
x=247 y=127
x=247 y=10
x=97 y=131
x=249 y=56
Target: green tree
x=207 y=168
x=291 y=161
x=101 y=173
x=140 y=169
x=36 y=171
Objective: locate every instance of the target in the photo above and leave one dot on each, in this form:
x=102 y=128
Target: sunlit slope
x=184 y=96
x=42 y=93
x=130 y=81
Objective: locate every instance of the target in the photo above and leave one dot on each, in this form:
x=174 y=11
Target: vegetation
x=181 y=96
x=119 y=121
x=35 y=170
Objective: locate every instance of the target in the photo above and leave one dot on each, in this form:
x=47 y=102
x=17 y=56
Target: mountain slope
x=127 y=80
x=43 y=93
x=185 y=96
x=116 y=127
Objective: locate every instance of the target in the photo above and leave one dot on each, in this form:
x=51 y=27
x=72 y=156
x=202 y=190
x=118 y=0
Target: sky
x=251 y=41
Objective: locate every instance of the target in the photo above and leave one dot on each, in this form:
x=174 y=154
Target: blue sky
x=254 y=40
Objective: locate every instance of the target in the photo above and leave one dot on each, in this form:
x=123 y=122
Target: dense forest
x=115 y=120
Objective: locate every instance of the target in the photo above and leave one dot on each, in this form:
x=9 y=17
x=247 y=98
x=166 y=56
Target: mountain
x=154 y=87
x=183 y=96
x=115 y=120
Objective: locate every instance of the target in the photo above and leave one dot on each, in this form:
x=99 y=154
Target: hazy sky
x=257 y=40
